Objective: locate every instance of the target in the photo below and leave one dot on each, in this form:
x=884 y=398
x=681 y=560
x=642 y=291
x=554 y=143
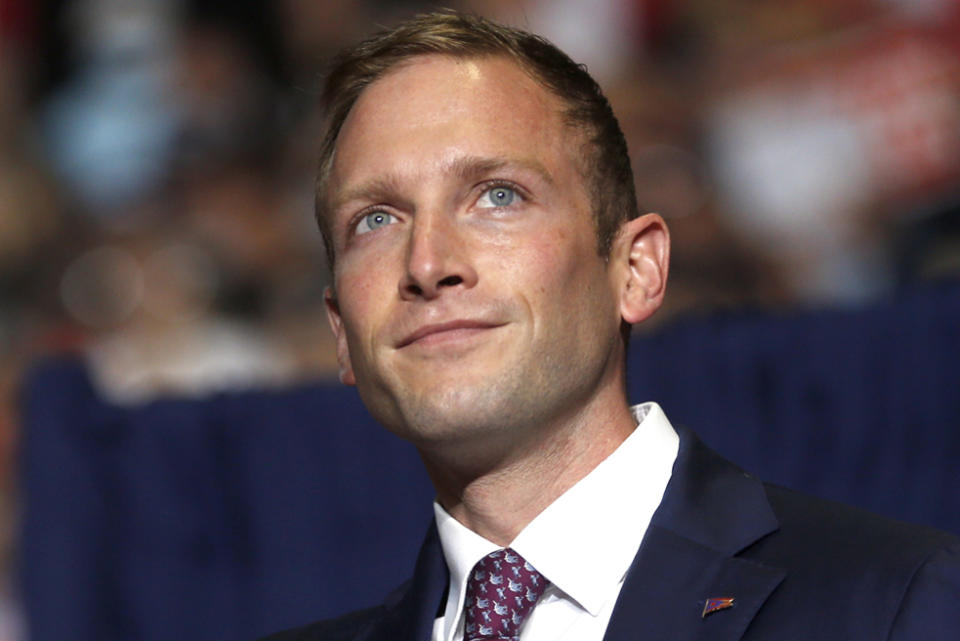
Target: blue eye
x=374 y=220
x=498 y=196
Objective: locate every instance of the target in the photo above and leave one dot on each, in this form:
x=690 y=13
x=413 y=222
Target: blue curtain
x=860 y=406
x=223 y=518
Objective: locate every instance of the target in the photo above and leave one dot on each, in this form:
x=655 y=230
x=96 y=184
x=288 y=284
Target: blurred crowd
x=157 y=163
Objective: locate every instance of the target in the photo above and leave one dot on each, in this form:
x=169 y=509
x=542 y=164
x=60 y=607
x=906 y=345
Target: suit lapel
x=411 y=610
x=710 y=511
x=671 y=578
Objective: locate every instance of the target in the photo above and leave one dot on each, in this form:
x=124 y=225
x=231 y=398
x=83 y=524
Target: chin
x=459 y=412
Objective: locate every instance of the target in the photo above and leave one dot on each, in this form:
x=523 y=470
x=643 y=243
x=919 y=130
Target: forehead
x=432 y=110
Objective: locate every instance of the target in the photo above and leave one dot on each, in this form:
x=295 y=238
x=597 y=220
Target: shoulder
x=359 y=625
x=870 y=573
x=408 y=612
x=344 y=628
x=814 y=526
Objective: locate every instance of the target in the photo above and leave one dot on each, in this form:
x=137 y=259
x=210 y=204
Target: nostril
x=415 y=290
x=449 y=281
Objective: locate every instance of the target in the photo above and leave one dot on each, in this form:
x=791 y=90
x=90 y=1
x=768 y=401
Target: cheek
x=555 y=275
x=361 y=298
x=537 y=262
x=576 y=285
x=562 y=263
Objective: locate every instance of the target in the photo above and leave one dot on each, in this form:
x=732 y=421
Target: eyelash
x=363 y=214
x=493 y=184
x=484 y=188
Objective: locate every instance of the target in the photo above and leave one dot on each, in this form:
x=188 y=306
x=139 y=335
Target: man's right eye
x=374 y=220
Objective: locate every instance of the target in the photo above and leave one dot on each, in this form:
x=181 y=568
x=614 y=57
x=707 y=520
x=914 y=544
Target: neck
x=500 y=496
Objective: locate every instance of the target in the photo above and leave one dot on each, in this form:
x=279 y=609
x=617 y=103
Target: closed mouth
x=445 y=328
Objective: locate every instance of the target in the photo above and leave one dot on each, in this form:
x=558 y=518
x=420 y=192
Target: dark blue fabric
x=215 y=519
x=795 y=567
x=860 y=406
x=228 y=517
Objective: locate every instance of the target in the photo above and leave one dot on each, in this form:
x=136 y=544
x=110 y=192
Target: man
x=477 y=204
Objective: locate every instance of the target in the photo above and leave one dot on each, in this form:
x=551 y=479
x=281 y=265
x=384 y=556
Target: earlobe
x=643 y=252
x=336 y=324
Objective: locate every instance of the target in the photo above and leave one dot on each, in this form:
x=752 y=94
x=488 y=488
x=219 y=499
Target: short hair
x=606 y=164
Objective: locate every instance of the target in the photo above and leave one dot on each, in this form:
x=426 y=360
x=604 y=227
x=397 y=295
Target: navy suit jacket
x=798 y=568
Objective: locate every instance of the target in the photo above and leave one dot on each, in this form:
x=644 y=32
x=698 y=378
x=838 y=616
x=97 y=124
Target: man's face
x=470 y=299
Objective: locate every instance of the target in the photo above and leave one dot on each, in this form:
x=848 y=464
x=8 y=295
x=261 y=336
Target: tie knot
x=501 y=591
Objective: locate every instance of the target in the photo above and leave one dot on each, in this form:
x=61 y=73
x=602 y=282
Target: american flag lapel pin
x=715 y=604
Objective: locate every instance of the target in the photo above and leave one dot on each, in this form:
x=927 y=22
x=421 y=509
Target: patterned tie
x=501 y=592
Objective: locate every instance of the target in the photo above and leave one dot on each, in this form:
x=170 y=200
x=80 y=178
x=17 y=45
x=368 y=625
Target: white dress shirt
x=583 y=542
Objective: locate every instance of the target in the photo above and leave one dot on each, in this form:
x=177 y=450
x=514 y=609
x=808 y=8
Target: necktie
x=501 y=592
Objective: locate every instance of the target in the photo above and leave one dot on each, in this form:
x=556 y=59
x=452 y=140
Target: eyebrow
x=466 y=168
x=375 y=189
x=475 y=167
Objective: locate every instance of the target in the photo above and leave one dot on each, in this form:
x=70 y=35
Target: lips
x=439 y=329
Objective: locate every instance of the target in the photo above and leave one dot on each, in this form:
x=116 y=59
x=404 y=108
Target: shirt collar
x=462 y=548
x=585 y=541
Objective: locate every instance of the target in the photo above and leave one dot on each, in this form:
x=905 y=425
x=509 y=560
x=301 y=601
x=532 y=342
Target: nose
x=438 y=259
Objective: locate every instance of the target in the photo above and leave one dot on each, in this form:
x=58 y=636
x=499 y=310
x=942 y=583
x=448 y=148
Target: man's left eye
x=374 y=220
x=498 y=196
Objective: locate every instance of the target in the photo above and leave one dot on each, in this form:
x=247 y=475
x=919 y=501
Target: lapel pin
x=715 y=604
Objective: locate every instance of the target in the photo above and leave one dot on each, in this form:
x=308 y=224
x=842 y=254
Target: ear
x=640 y=260
x=336 y=324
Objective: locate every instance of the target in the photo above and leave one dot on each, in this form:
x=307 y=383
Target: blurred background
x=157 y=160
